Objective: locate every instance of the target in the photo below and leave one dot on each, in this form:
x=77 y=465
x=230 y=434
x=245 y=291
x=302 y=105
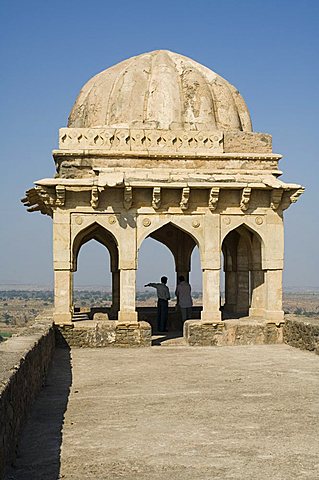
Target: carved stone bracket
x=185 y=198
x=276 y=197
x=94 y=197
x=128 y=197
x=289 y=198
x=156 y=199
x=245 y=198
x=295 y=196
x=213 y=198
x=60 y=195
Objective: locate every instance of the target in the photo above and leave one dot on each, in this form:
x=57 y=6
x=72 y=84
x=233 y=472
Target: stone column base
x=257 y=312
x=127 y=316
x=214 y=316
x=62 y=319
x=274 y=315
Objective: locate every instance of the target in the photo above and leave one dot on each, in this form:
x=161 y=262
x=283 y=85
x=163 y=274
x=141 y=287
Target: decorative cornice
x=190 y=154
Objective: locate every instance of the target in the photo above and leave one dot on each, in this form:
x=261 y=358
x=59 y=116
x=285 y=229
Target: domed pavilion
x=160 y=146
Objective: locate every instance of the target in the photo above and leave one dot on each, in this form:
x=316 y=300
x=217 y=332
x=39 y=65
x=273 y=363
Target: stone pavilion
x=161 y=146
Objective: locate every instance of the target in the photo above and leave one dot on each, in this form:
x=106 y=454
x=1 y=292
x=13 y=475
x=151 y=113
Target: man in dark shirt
x=162 y=303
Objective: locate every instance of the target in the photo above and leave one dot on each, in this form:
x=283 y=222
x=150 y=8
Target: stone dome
x=160 y=90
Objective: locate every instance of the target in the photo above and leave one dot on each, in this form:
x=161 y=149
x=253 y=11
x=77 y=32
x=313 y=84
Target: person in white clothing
x=163 y=296
x=184 y=298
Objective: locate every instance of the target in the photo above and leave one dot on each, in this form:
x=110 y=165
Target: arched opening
x=196 y=281
x=244 y=278
x=92 y=281
x=85 y=242
x=173 y=261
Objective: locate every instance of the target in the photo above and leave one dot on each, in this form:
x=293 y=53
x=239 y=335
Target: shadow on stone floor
x=160 y=338
x=39 y=448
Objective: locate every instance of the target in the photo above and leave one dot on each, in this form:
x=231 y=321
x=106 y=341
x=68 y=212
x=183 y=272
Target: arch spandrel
x=82 y=221
x=256 y=224
x=192 y=225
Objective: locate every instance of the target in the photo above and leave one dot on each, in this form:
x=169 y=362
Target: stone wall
x=24 y=363
x=302 y=332
x=232 y=332
x=105 y=334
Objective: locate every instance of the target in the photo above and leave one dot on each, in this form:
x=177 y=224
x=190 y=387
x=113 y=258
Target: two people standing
x=184 y=300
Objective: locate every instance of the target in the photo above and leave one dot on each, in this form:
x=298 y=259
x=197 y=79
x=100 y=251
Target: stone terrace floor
x=175 y=413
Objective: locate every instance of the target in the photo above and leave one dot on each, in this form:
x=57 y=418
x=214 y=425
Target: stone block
x=232 y=332
x=99 y=316
x=107 y=333
x=302 y=332
x=247 y=142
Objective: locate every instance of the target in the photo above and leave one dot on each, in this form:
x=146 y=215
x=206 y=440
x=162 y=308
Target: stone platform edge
x=233 y=332
x=106 y=333
x=24 y=364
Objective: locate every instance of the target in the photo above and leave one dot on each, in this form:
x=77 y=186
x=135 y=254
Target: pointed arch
x=244 y=276
x=95 y=231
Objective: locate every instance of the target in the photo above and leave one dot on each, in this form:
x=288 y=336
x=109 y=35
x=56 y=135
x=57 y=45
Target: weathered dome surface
x=160 y=90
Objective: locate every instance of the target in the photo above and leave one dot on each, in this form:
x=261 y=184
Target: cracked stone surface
x=175 y=413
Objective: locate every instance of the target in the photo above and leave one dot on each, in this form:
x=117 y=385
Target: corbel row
x=44 y=199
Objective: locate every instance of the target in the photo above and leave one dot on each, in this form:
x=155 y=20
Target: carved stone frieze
x=213 y=198
x=125 y=140
x=245 y=198
x=185 y=198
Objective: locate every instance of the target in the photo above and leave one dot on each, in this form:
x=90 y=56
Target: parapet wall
x=24 y=363
x=302 y=332
x=232 y=332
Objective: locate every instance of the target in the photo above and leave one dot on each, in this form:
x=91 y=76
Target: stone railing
x=105 y=333
x=24 y=363
x=232 y=332
x=148 y=141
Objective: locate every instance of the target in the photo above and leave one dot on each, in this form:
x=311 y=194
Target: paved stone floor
x=175 y=413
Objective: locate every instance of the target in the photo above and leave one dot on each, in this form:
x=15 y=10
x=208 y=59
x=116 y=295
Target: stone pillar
x=258 y=294
x=230 y=291
x=63 y=294
x=242 y=292
x=127 y=311
x=185 y=274
x=211 y=295
x=274 y=295
x=115 y=291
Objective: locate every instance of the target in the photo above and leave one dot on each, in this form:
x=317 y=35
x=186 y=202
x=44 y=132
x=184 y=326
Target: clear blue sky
x=267 y=49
